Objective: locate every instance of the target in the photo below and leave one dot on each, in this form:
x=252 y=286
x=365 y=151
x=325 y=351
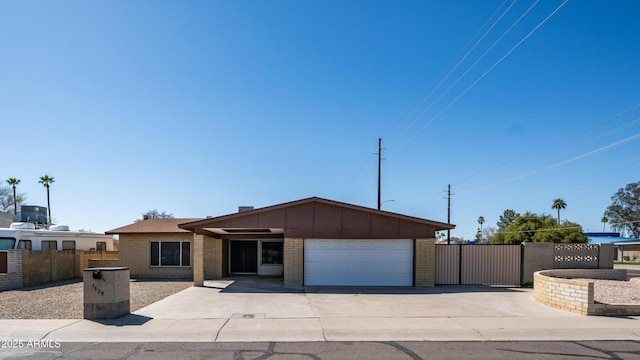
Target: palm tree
x=481 y=221
x=13 y=182
x=559 y=204
x=604 y=221
x=46 y=181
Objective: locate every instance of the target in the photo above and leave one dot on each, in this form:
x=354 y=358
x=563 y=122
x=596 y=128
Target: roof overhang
x=243 y=233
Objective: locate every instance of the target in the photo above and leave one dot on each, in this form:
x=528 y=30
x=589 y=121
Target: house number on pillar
x=97 y=289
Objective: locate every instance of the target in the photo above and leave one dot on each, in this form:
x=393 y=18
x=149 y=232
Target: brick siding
x=425 y=262
x=573 y=290
x=13 y=278
x=293 y=261
x=135 y=253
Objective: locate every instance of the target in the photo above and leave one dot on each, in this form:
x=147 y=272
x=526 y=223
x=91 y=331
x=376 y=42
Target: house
x=312 y=241
x=626 y=249
x=155 y=248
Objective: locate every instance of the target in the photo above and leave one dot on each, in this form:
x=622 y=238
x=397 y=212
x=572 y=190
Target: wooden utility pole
x=449 y=214
x=379 y=171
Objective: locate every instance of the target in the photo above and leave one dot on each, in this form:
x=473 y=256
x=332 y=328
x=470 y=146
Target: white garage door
x=358 y=262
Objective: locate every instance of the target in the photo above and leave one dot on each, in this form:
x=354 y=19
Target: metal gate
x=478 y=264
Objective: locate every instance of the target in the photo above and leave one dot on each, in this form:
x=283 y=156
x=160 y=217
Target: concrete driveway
x=248 y=310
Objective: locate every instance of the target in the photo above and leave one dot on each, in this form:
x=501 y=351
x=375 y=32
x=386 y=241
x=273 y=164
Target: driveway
x=268 y=299
x=244 y=309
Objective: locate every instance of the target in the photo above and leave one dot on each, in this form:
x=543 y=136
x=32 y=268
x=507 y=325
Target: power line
x=457 y=65
x=563 y=139
x=486 y=72
x=565 y=162
x=472 y=66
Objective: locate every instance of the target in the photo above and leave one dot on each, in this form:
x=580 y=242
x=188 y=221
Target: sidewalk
x=224 y=311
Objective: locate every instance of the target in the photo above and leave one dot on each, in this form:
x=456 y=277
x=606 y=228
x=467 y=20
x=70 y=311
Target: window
x=101 y=246
x=49 y=245
x=272 y=252
x=6 y=243
x=170 y=253
x=24 y=244
x=68 y=245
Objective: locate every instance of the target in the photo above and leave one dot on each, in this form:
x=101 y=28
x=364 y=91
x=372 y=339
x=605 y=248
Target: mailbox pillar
x=106 y=292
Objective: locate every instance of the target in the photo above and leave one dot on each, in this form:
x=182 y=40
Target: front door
x=244 y=256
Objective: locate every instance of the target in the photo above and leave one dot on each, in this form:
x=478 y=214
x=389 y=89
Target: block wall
x=425 y=262
x=566 y=294
x=13 y=278
x=573 y=290
x=83 y=257
x=41 y=267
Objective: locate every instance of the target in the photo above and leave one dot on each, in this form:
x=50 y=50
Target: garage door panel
x=358 y=262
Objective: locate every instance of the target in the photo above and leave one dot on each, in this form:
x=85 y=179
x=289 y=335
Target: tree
x=604 y=221
x=507 y=218
x=559 y=204
x=481 y=221
x=539 y=228
x=155 y=214
x=624 y=212
x=46 y=181
x=478 y=237
x=458 y=240
x=7 y=200
x=14 y=182
x=488 y=233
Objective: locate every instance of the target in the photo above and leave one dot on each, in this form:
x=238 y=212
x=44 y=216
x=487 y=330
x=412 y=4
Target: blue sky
x=197 y=107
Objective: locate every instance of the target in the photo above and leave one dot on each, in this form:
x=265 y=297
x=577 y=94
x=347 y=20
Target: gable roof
x=318 y=218
x=153 y=226
x=212 y=220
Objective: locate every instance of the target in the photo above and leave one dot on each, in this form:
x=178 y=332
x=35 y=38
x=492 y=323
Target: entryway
x=243 y=256
x=261 y=256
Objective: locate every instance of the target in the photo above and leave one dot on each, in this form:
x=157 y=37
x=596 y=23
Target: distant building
x=32 y=214
x=5 y=219
x=627 y=249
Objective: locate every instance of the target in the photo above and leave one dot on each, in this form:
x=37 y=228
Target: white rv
x=58 y=237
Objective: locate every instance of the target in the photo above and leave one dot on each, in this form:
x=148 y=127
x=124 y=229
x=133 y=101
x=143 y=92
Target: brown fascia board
x=194 y=224
x=139 y=228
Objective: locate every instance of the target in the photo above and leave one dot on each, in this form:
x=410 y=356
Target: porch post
x=198 y=260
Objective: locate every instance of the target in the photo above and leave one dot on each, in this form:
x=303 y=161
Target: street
x=333 y=350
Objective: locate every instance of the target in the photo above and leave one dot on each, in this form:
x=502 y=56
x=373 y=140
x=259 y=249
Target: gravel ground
x=64 y=300
x=616 y=292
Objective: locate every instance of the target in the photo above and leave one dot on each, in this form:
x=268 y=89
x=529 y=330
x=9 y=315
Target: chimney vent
x=244 y=208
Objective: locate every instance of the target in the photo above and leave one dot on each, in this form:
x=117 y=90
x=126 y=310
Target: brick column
x=425 y=266
x=198 y=260
x=213 y=258
x=293 y=261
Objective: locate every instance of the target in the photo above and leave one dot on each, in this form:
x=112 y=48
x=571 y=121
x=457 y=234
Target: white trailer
x=59 y=237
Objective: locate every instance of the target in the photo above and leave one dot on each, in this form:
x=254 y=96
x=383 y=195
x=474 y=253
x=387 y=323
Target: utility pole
x=449 y=214
x=379 y=171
